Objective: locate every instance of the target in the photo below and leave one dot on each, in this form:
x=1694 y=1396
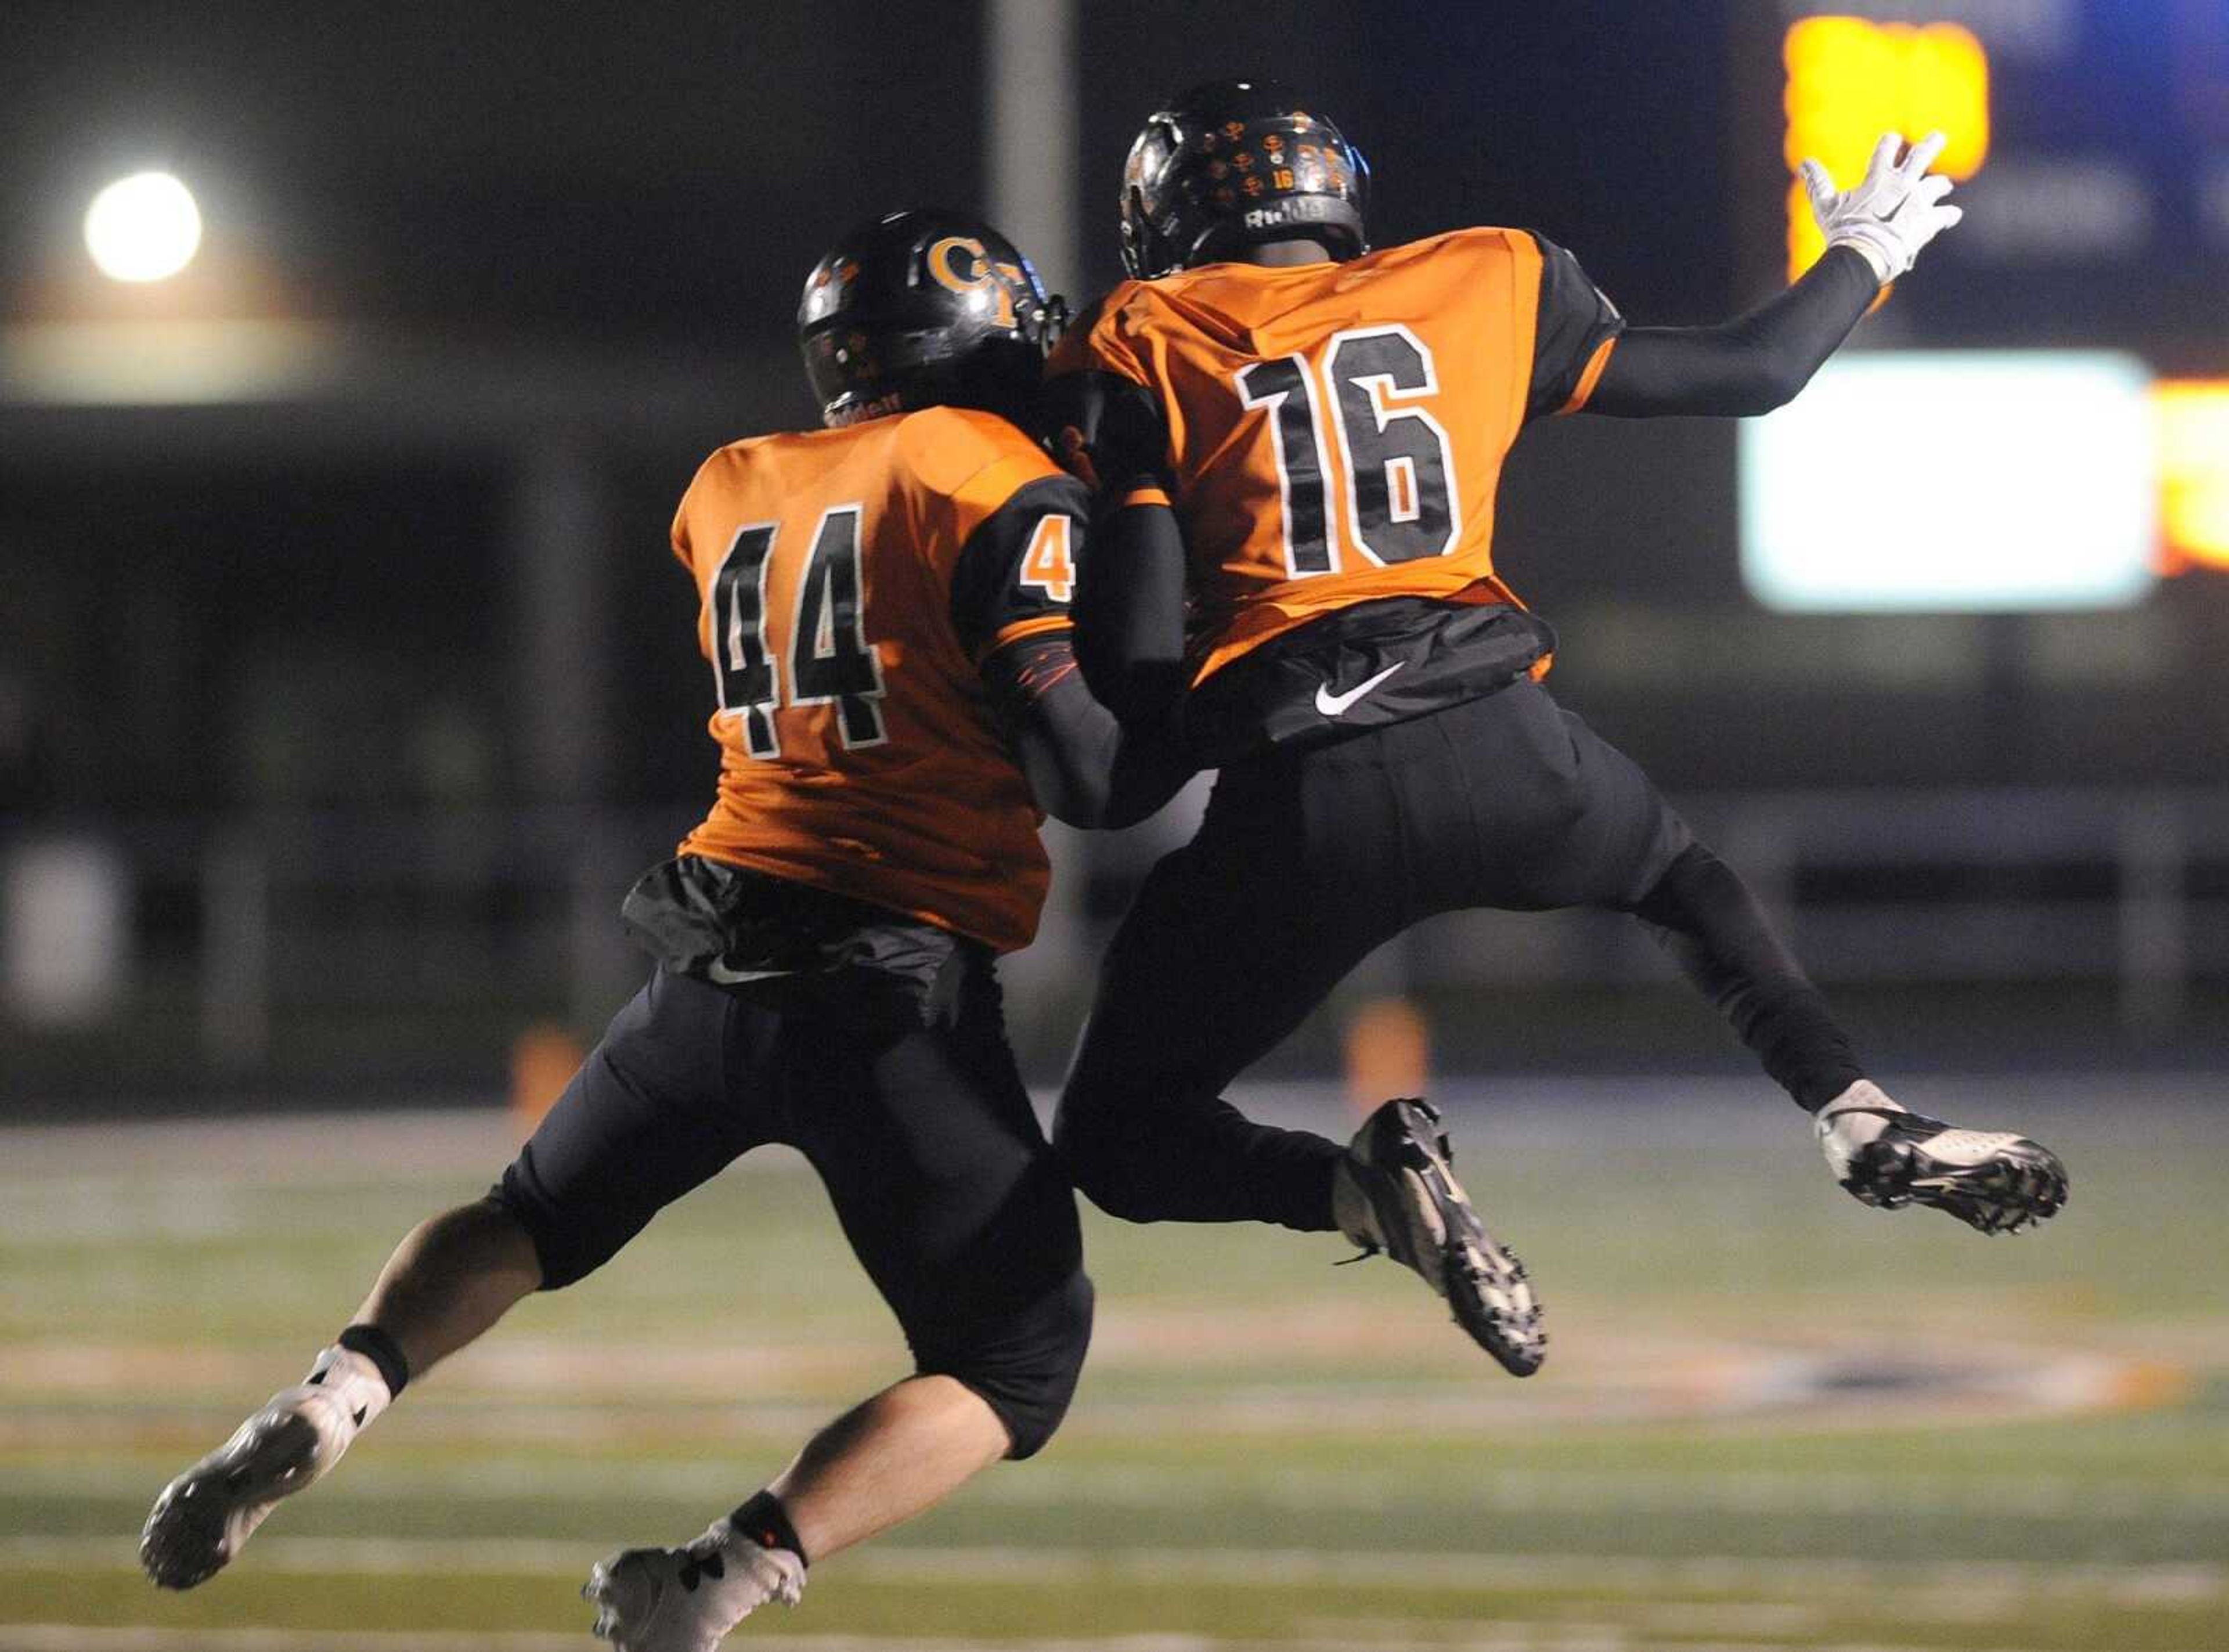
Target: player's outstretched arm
x=1760 y=361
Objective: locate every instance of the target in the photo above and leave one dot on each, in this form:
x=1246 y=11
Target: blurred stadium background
x=345 y=682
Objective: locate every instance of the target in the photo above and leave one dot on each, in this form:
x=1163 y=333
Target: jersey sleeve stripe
x=1588 y=379
x=1146 y=496
x=1036 y=627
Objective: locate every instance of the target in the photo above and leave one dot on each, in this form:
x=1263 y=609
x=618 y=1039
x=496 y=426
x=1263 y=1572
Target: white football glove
x=1896 y=210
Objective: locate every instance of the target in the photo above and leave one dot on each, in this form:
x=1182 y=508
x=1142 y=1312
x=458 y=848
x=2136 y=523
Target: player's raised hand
x=1896 y=209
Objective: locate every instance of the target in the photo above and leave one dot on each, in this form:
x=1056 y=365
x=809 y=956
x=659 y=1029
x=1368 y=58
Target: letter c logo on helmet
x=982 y=274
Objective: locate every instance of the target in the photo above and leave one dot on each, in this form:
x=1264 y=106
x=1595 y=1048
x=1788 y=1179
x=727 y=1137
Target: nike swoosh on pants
x=1332 y=705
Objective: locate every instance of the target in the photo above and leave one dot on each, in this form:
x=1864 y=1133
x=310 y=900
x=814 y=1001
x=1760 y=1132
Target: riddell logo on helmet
x=1265 y=218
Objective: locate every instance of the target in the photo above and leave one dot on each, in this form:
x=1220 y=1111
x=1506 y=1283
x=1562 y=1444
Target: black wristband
x=383 y=1350
x=765 y=1523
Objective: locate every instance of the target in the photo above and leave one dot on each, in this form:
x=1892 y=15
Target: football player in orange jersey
x=884 y=605
x=1296 y=443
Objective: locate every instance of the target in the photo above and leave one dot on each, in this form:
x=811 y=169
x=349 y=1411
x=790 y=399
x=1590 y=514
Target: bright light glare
x=2195 y=470
x=144 y=228
x=1955 y=481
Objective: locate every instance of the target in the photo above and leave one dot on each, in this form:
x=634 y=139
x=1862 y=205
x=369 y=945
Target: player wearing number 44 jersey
x=884 y=605
x=1295 y=444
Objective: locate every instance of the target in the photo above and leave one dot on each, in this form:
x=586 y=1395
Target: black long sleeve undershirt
x=1749 y=365
x=1129 y=610
x=1085 y=767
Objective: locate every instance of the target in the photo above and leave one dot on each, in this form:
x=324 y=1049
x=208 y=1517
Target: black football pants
x=917 y=1123
x=1308 y=860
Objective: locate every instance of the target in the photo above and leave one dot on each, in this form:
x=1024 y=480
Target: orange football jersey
x=850 y=581
x=1336 y=431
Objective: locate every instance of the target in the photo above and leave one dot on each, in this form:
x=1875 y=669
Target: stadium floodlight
x=144 y=228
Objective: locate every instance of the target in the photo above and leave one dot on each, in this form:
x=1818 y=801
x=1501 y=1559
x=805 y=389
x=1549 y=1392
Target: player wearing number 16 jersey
x=884 y=606
x=1296 y=444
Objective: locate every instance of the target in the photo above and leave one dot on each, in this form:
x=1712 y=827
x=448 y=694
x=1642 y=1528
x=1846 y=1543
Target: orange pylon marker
x=1389 y=1052
x=543 y=1060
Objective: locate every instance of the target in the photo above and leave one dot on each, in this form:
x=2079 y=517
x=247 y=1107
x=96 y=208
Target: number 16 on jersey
x=1400 y=499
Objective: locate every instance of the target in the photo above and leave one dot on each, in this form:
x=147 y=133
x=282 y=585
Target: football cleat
x=685 y=1599
x=1395 y=1192
x=1886 y=1156
x=203 y=1516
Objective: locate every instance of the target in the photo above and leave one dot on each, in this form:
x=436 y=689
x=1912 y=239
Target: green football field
x=1770 y=1418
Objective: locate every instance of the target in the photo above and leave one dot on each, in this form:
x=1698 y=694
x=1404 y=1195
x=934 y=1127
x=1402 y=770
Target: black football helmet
x=921 y=309
x=1233 y=163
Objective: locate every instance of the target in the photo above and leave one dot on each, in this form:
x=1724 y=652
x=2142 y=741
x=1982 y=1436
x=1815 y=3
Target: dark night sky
x=671 y=171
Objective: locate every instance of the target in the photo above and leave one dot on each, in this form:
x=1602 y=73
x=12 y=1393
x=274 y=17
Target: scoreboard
x=2089 y=139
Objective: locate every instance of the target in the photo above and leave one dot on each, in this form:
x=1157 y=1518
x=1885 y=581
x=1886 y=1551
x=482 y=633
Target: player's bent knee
x=1024 y=1367
x=1118 y=1171
x=565 y=1252
x=1694 y=881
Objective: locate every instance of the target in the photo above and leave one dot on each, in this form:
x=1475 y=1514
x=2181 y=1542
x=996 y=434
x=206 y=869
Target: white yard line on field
x=1515 y=1491
x=1471 y=1635
x=1476 y=1635
x=2016 y=1582
x=70 y=1637
x=1934 y=1380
